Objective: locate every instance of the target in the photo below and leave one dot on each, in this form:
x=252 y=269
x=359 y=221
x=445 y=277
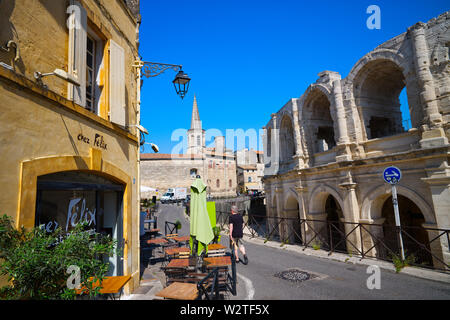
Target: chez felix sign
x=97 y=142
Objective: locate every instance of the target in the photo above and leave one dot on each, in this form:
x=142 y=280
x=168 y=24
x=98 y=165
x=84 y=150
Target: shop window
x=65 y=200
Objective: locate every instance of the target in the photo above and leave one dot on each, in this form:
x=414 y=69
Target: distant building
x=249 y=170
x=216 y=166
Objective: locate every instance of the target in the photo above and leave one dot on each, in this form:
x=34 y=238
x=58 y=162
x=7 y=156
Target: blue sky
x=247 y=58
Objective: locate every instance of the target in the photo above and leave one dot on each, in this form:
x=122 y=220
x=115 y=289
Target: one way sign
x=392 y=175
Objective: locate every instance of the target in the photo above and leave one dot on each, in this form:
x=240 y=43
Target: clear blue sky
x=247 y=58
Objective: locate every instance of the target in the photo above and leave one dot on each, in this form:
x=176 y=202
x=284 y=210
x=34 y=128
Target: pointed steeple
x=195 y=121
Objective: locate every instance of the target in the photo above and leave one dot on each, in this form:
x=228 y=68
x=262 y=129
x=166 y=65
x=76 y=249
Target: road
x=330 y=280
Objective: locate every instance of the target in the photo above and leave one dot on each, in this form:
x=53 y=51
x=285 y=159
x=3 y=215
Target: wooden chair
x=216 y=250
x=202 y=286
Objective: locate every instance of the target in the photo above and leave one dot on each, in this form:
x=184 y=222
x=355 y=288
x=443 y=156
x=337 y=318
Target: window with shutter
x=86 y=55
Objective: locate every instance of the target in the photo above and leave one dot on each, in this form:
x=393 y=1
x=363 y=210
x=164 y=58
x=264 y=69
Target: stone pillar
x=299 y=157
x=272 y=162
x=433 y=133
x=439 y=185
x=340 y=113
x=301 y=191
x=343 y=152
x=351 y=214
x=370 y=232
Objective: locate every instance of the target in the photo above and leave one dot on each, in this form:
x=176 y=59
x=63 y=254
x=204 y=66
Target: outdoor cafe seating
x=199 y=278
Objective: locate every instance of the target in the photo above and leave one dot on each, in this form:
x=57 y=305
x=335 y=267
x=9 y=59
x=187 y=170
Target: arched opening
x=193 y=173
x=291 y=230
x=411 y=219
x=287 y=142
x=319 y=123
x=335 y=227
x=377 y=94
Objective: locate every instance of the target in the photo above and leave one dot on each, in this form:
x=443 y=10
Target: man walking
x=236 y=233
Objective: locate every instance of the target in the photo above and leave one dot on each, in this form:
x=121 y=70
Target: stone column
x=371 y=231
x=340 y=112
x=433 y=133
x=343 y=150
x=299 y=157
x=351 y=214
x=439 y=185
x=273 y=161
x=301 y=190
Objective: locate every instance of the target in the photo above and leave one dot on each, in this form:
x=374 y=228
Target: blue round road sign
x=392 y=175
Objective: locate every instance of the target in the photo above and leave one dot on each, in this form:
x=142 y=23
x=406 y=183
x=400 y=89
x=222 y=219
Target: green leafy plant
x=316 y=245
x=216 y=231
x=399 y=264
x=178 y=225
x=36 y=262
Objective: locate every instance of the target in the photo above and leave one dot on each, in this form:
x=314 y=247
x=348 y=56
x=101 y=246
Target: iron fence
x=424 y=247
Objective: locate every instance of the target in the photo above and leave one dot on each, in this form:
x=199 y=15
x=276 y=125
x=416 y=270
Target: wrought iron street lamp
x=153 y=69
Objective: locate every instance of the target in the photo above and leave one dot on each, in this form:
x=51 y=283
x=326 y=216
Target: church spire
x=195 y=121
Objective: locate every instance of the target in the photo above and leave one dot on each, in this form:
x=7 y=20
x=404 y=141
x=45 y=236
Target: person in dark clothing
x=236 y=233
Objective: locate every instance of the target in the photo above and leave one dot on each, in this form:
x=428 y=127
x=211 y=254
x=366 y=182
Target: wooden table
x=110 y=285
x=178 y=263
x=214 y=262
x=157 y=241
x=177 y=250
x=182 y=239
x=179 y=291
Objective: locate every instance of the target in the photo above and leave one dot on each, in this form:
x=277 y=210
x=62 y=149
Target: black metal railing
x=423 y=247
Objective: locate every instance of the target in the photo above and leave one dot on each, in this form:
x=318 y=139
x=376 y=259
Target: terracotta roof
x=248 y=167
x=168 y=156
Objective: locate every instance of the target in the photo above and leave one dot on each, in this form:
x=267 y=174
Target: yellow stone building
x=69 y=100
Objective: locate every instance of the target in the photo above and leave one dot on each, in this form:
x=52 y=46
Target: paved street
x=329 y=279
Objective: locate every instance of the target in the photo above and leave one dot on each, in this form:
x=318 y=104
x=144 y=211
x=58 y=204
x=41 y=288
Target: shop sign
x=77 y=212
x=97 y=142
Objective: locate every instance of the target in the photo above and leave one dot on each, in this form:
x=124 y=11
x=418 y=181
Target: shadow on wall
x=9 y=33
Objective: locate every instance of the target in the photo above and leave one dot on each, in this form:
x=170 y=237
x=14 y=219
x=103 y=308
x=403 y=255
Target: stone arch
x=287 y=140
x=290 y=228
x=318 y=198
x=318 y=118
x=376 y=82
x=374 y=200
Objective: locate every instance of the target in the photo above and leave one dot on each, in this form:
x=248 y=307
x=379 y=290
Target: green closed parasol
x=200 y=225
